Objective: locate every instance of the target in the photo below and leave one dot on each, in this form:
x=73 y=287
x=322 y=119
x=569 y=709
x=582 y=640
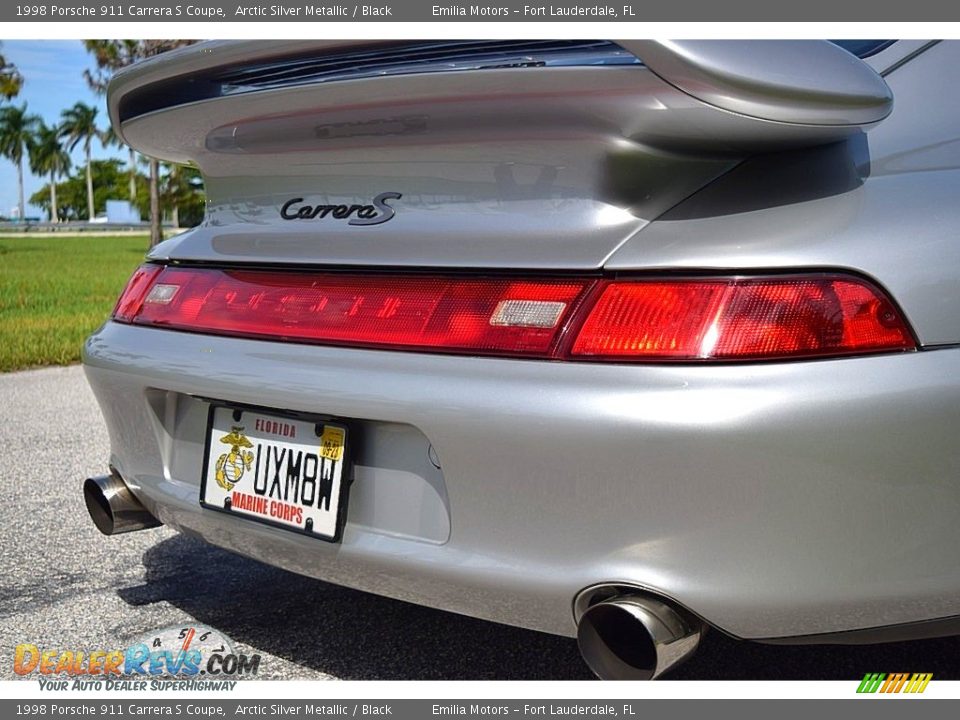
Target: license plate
x=280 y=470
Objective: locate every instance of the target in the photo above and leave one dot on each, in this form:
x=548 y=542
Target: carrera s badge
x=379 y=212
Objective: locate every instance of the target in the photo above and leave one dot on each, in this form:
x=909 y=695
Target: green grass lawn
x=54 y=291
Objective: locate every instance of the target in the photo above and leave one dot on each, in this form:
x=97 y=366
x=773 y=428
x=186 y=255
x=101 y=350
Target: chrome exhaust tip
x=113 y=508
x=636 y=637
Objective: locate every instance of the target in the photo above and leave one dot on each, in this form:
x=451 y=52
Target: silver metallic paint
x=885 y=205
x=773 y=500
x=791 y=81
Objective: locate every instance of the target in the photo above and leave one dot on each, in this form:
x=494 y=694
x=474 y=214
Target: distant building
x=122 y=212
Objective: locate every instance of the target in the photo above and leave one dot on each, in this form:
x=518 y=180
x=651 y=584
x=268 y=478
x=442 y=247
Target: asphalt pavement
x=63 y=585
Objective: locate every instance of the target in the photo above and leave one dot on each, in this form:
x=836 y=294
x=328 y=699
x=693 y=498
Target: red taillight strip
x=762 y=318
x=428 y=313
x=625 y=320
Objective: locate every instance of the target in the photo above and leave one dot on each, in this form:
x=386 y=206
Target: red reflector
x=136 y=290
x=740 y=319
x=411 y=312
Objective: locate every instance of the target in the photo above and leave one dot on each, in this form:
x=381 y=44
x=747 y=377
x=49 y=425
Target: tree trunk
x=175 y=210
x=90 y=209
x=20 y=204
x=133 y=177
x=156 y=232
x=54 y=215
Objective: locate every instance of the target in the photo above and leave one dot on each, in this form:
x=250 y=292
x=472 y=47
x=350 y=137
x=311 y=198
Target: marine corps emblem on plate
x=231 y=465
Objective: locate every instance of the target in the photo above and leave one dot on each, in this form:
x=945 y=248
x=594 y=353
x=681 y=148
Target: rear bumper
x=777 y=500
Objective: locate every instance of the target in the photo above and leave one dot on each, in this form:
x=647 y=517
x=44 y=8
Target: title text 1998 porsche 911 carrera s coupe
x=621 y=340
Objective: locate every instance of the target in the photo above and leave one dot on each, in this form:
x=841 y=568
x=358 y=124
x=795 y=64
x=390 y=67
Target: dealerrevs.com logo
x=180 y=657
x=888 y=683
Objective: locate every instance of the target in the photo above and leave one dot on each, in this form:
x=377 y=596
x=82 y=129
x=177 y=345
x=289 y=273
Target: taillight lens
x=492 y=316
x=636 y=320
x=740 y=319
x=131 y=300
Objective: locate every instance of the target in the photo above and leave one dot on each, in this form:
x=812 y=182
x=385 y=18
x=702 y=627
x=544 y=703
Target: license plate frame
x=238 y=414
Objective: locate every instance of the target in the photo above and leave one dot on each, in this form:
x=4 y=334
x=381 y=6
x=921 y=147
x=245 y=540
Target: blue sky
x=53 y=81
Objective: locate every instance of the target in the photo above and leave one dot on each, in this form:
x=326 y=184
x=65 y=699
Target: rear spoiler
x=721 y=96
x=805 y=82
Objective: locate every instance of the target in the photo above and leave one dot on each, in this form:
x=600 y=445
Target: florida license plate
x=274 y=469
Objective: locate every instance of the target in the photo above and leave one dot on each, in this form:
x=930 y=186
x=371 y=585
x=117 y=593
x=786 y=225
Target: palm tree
x=10 y=79
x=173 y=190
x=111 y=56
x=80 y=125
x=16 y=132
x=47 y=155
x=110 y=138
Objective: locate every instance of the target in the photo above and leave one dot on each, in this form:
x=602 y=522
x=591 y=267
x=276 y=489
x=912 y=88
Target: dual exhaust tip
x=636 y=637
x=113 y=507
x=630 y=636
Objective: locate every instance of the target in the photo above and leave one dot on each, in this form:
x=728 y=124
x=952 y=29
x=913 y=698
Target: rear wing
x=802 y=82
x=734 y=97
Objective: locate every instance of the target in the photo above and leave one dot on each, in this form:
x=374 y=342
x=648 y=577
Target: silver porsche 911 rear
x=616 y=340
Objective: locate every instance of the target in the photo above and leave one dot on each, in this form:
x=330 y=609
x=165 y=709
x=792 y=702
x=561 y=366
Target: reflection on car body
x=659 y=336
